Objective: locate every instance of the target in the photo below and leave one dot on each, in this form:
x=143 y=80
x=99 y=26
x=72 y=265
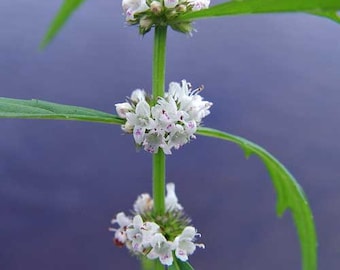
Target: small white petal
x=199 y=4
x=144 y=203
x=171 y=200
x=137 y=221
x=189 y=232
x=138 y=95
x=166 y=259
x=132 y=7
x=123 y=108
x=143 y=109
x=170 y=3
x=181 y=254
x=162 y=249
x=121 y=219
x=184 y=243
x=120 y=233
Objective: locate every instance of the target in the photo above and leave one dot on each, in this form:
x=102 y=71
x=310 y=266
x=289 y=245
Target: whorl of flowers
x=170 y=123
x=156 y=237
x=148 y=13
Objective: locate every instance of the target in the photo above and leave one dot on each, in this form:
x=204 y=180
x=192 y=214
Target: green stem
x=158 y=82
x=159 y=182
x=158 y=65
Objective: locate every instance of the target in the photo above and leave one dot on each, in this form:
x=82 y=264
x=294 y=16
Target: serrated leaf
x=289 y=195
x=325 y=8
x=64 y=13
x=37 y=109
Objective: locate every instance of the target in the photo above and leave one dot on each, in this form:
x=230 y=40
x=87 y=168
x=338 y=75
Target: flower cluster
x=148 y=13
x=170 y=123
x=156 y=237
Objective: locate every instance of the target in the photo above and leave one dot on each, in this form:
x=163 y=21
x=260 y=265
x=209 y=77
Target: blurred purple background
x=273 y=79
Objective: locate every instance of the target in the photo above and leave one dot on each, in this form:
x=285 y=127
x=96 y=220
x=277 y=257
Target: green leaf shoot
x=289 y=194
x=37 y=109
x=64 y=13
x=325 y=8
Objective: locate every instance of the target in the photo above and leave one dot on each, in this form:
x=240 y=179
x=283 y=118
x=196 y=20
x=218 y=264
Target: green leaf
x=325 y=8
x=147 y=264
x=37 y=109
x=289 y=194
x=64 y=13
x=333 y=15
x=179 y=265
x=184 y=265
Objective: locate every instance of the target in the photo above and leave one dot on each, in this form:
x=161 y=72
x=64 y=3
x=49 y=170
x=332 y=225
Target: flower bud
x=184 y=27
x=145 y=24
x=181 y=8
x=123 y=108
x=156 y=7
x=138 y=95
x=127 y=128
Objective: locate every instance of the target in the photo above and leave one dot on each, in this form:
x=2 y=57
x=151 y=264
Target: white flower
x=162 y=249
x=179 y=92
x=197 y=108
x=154 y=140
x=145 y=238
x=166 y=113
x=123 y=108
x=138 y=95
x=184 y=243
x=149 y=230
x=140 y=120
x=120 y=234
x=144 y=203
x=131 y=7
x=199 y=4
x=190 y=101
x=171 y=200
x=135 y=234
x=170 y=3
x=170 y=123
x=178 y=137
x=140 y=233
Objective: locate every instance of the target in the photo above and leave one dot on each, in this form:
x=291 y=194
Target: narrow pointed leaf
x=184 y=265
x=289 y=194
x=325 y=8
x=37 y=109
x=66 y=10
x=333 y=15
x=174 y=266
